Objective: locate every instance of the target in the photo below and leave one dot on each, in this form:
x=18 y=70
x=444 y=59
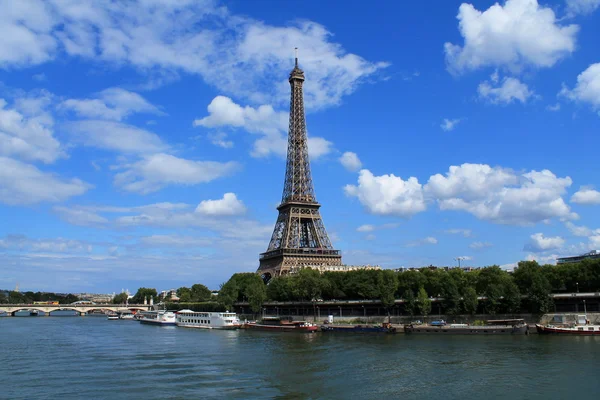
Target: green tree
x=531 y=280
x=120 y=298
x=387 y=284
x=423 y=302
x=142 y=293
x=410 y=304
x=3 y=298
x=279 y=289
x=200 y=293
x=512 y=297
x=451 y=294
x=308 y=283
x=184 y=294
x=470 y=300
x=256 y=292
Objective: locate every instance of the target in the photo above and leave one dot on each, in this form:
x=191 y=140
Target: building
x=299 y=238
x=335 y=268
x=592 y=255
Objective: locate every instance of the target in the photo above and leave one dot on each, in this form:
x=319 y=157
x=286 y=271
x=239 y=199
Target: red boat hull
x=545 y=330
x=280 y=328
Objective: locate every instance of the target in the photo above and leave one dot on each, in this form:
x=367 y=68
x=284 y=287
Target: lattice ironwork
x=299 y=238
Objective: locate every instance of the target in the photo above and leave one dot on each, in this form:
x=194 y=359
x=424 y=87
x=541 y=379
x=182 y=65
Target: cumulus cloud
x=449 y=124
x=510 y=90
x=586 y=196
x=480 y=245
x=112 y=103
x=580 y=230
x=58 y=245
x=155 y=171
x=235 y=54
x=80 y=217
x=388 y=194
x=115 y=136
x=220 y=139
x=463 y=232
x=553 y=107
x=500 y=195
x=23 y=184
x=539 y=243
x=517 y=34
x=271 y=125
x=424 y=241
x=227 y=206
x=350 y=161
x=587 y=89
x=366 y=228
x=575 y=7
x=26 y=130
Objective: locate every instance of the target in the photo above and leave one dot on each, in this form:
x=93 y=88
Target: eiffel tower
x=299 y=239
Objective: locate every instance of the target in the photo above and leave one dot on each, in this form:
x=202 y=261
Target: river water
x=93 y=358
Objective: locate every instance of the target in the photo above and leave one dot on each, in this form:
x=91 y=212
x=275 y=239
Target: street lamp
x=577 y=284
x=340 y=307
x=458 y=259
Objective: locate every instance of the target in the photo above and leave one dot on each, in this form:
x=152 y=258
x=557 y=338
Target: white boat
x=581 y=326
x=207 y=320
x=161 y=318
x=126 y=315
x=112 y=317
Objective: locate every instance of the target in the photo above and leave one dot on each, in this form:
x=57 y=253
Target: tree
x=144 y=293
x=512 y=297
x=409 y=302
x=200 y=293
x=493 y=294
x=387 y=283
x=308 y=283
x=256 y=292
x=423 y=302
x=3 y=298
x=451 y=294
x=470 y=300
x=184 y=294
x=120 y=298
x=531 y=281
x=279 y=289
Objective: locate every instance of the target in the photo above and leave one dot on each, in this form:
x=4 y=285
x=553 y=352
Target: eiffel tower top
x=298 y=186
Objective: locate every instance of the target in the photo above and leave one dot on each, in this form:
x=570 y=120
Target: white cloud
x=595 y=242
x=480 y=245
x=220 y=139
x=227 y=206
x=575 y=7
x=514 y=35
x=236 y=54
x=553 y=107
x=579 y=230
x=366 y=228
x=26 y=131
x=587 y=89
x=586 y=196
x=543 y=260
x=350 y=161
x=388 y=194
x=58 y=245
x=424 y=241
x=39 y=77
x=271 y=125
x=156 y=171
x=22 y=184
x=79 y=217
x=115 y=136
x=463 y=232
x=177 y=241
x=510 y=90
x=112 y=103
x=370 y=236
x=539 y=243
x=449 y=124
x=500 y=195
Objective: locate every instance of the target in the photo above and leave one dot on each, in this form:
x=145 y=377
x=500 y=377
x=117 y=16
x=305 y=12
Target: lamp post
x=584 y=309
x=458 y=259
x=577 y=285
x=340 y=307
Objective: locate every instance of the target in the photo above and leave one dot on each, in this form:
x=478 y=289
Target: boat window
x=579 y=329
x=591 y=329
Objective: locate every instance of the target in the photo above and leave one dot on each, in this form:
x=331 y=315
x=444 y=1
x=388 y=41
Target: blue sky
x=143 y=143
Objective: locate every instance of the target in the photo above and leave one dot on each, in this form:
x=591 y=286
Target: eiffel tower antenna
x=299 y=239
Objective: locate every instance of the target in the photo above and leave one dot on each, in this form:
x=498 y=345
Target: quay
x=11 y=309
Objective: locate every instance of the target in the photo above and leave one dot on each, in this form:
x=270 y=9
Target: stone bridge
x=11 y=309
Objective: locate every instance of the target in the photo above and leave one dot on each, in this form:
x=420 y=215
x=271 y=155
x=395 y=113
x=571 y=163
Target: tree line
x=13 y=297
x=460 y=290
x=502 y=291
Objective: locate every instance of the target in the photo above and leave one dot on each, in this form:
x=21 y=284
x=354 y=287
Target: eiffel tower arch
x=299 y=239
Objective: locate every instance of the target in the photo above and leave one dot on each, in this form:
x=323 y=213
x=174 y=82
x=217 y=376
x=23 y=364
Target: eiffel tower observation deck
x=299 y=239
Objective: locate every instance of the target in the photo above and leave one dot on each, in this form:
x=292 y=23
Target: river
x=93 y=358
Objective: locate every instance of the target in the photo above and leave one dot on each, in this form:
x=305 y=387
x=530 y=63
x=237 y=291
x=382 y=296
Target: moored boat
x=493 y=327
x=161 y=318
x=580 y=327
x=112 y=317
x=207 y=320
x=383 y=328
x=281 y=324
